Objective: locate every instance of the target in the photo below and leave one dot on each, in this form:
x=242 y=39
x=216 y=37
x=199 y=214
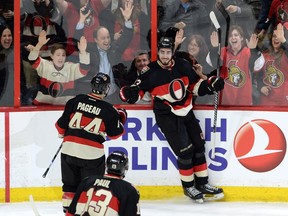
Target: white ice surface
x=179 y=207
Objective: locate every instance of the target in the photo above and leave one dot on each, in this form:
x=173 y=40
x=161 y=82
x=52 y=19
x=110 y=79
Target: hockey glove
x=129 y=94
x=123 y=115
x=215 y=84
x=212 y=73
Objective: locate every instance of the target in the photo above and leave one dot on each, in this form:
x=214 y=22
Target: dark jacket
x=114 y=54
x=196 y=17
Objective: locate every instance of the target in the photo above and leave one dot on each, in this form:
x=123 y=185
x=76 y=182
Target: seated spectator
x=57 y=76
x=6 y=67
x=273 y=79
x=7 y=13
x=141 y=60
x=198 y=48
x=138 y=19
x=105 y=54
x=238 y=63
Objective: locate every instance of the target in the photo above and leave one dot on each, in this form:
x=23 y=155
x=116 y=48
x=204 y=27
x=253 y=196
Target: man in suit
x=104 y=53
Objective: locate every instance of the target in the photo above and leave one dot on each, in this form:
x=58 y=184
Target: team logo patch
x=55 y=89
x=236 y=77
x=144 y=70
x=273 y=77
x=177 y=89
x=260 y=145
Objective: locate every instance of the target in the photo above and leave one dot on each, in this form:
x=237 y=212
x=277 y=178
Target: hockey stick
x=33 y=206
x=216 y=95
x=48 y=168
x=225 y=14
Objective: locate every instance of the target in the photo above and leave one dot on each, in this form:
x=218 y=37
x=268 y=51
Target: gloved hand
x=129 y=94
x=123 y=115
x=215 y=84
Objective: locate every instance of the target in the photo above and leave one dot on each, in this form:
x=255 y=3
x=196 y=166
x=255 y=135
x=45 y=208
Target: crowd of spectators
x=117 y=33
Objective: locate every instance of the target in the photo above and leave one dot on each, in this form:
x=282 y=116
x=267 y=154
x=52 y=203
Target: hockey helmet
x=166 y=42
x=100 y=84
x=117 y=163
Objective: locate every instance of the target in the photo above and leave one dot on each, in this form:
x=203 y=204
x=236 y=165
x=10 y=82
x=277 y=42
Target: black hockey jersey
x=105 y=196
x=84 y=124
x=171 y=88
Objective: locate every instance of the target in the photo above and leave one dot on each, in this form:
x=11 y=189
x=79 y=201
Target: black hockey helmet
x=171 y=32
x=117 y=163
x=100 y=84
x=166 y=42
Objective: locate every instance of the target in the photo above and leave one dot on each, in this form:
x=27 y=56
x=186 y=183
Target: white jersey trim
x=82 y=151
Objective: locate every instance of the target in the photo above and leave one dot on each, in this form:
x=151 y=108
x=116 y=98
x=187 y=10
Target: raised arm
x=81 y=23
x=84 y=57
x=34 y=51
x=179 y=38
x=214 y=48
x=127 y=11
x=280 y=35
x=252 y=42
x=82 y=45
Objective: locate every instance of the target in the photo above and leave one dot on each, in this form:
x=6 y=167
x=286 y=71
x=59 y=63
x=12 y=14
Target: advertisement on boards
x=250 y=149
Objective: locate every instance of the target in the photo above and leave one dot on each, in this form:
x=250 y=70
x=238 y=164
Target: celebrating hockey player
x=109 y=194
x=172 y=82
x=84 y=124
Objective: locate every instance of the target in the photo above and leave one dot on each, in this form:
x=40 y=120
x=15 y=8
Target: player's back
x=90 y=105
x=106 y=196
x=87 y=115
x=85 y=123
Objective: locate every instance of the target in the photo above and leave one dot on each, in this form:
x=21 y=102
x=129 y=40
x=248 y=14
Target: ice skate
x=194 y=194
x=210 y=192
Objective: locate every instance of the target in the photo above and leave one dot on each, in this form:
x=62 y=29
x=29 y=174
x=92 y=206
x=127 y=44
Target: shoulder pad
x=144 y=70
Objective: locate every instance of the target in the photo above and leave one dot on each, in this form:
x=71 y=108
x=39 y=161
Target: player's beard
x=165 y=62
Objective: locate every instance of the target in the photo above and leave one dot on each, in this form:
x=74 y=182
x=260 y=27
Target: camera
x=87 y=8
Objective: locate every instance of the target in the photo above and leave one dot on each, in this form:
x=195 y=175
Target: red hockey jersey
x=237 y=73
x=275 y=76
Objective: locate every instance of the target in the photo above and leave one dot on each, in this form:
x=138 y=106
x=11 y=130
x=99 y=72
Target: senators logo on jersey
x=273 y=77
x=236 y=77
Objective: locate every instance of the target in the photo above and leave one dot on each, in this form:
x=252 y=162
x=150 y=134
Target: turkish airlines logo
x=260 y=145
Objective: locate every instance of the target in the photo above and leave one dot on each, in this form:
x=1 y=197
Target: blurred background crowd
x=64 y=43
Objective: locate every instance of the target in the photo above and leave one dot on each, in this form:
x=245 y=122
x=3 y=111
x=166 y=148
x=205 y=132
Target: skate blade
x=199 y=201
x=211 y=197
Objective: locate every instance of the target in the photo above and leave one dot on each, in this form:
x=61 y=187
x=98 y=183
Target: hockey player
x=84 y=124
x=172 y=83
x=107 y=195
